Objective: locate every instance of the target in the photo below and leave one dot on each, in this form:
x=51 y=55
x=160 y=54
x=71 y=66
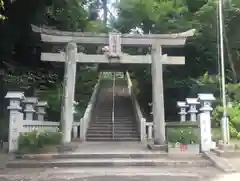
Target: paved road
x=235 y=163
x=107 y=174
x=103 y=178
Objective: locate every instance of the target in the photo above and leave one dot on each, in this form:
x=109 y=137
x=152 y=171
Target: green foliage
x=34 y=141
x=167 y=16
x=183 y=135
x=29 y=80
x=204 y=84
x=85 y=82
x=234 y=118
x=2 y=8
x=233 y=91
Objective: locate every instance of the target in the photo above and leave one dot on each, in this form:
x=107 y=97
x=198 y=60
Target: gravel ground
x=108 y=174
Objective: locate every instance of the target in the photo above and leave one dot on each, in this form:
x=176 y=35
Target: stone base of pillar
x=226 y=147
x=67 y=147
x=157 y=147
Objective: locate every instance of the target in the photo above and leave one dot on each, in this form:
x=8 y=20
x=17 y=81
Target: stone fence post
x=183 y=106
x=192 y=102
x=29 y=107
x=40 y=107
x=15 y=116
x=205 y=120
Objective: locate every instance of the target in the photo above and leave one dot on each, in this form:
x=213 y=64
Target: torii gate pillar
x=158 y=96
x=68 y=92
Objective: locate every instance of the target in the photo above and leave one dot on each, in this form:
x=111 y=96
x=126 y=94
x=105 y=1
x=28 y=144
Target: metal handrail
x=113 y=104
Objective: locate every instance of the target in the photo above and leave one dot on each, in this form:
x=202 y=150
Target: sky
x=111 y=9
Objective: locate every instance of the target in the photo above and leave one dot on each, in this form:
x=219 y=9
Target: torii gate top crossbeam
x=55 y=36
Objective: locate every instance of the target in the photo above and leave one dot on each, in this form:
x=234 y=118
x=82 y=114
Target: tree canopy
x=19 y=45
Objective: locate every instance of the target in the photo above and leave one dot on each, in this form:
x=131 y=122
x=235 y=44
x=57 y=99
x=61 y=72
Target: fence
x=196 y=112
x=26 y=114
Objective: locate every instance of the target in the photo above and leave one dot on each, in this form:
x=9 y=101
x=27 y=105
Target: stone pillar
x=41 y=106
x=192 y=102
x=14 y=116
x=205 y=120
x=29 y=107
x=158 y=97
x=183 y=106
x=68 y=92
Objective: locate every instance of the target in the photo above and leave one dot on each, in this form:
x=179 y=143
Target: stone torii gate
x=113 y=54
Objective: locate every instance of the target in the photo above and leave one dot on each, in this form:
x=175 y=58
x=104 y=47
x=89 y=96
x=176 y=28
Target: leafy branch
x=2 y=8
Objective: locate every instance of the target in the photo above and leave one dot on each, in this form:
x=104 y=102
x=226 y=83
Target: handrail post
x=113 y=105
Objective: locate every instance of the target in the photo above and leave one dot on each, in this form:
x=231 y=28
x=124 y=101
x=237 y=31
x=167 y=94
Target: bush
x=234 y=118
x=238 y=136
x=183 y=135
x=34 y=141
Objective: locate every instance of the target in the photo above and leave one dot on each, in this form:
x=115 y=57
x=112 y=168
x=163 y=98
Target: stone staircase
x=124 y=126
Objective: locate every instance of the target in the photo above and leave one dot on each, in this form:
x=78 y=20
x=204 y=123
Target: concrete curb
x=227 y=154
x=90 y=155
x=219 y=162
x=110 y=155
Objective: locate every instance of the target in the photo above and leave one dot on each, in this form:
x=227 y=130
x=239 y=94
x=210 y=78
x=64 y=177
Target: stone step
x=117 y=126
x=106 y=123
x=109 y=115
x=109 y=120
x=110 y=124
x=111 y=138
x=123 y=134
x=102 y=114
x=119 y=154
x=96 y=128
x=108 y=134
x=100 y=155
x=96 y=122
x=106 y=139
x=122 y=131
x=115 y=118
x=145 y=162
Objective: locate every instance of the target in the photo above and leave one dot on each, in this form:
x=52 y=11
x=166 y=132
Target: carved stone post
x=205 y=120
x=41 y=106
x=192 y=102
x=69 y=91
x=183 y=106
x=14 y=117
x=29 y=107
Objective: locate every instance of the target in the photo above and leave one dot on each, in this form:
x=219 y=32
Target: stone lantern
x=205 y=120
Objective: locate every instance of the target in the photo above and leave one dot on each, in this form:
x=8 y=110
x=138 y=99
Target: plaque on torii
x=115 y=48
